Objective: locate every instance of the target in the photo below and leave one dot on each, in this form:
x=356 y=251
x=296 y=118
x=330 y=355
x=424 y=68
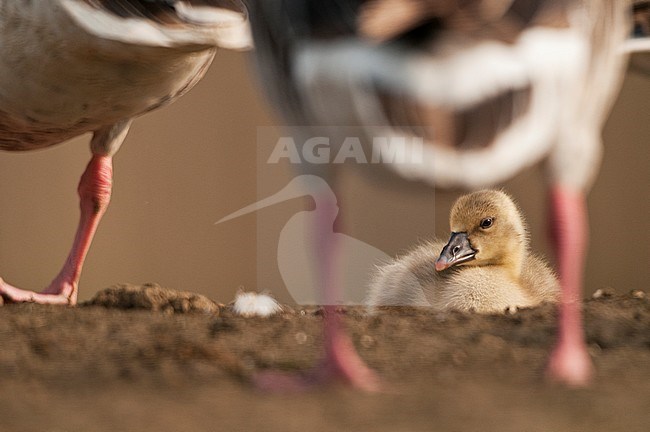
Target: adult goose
x=489 y=87
x=68 y=67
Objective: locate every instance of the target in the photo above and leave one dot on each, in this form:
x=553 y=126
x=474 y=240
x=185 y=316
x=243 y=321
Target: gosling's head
x=486 y=229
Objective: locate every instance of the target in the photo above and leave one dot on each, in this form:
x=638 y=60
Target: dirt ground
x=151 y=359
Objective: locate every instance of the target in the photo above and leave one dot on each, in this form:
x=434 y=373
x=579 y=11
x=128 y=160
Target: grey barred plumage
x=84 y=79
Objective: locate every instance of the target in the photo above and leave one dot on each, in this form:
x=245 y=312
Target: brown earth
x=150 y=359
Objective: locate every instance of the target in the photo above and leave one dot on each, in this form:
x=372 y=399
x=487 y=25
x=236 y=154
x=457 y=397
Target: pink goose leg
x=341 y=361
x=570 y=363
x=94 y=193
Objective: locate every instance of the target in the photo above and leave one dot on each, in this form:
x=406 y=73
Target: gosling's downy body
x=485 y=267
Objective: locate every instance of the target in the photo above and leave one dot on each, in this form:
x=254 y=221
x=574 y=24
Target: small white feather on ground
x=250 y=304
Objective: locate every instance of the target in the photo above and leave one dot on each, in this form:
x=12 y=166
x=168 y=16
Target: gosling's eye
x=486 y=223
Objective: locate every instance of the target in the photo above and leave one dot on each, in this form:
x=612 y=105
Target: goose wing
x=192 y=24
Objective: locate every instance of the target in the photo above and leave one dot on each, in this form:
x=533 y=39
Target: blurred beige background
x=184 y=167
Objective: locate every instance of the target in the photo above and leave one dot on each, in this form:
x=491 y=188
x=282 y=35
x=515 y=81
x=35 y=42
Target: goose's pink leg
x=94 y=193
x=341 y=361
x=570 y=363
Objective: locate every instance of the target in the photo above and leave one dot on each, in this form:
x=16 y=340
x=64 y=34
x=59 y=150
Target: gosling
x=485 y=267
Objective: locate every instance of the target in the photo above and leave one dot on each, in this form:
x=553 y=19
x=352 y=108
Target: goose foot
x=341 y=364
x=570 y=365
x=56 y=293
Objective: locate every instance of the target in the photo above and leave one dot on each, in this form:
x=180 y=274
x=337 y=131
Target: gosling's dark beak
x=457 y=251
